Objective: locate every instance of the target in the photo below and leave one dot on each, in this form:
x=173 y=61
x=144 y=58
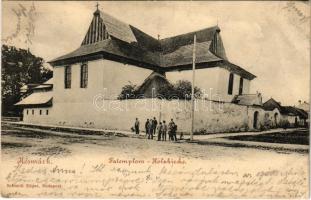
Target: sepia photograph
x=155 y=99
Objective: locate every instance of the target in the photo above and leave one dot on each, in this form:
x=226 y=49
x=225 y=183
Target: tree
x=180 y=90
x=19 y=67
x=183 y=89
x=128 y=92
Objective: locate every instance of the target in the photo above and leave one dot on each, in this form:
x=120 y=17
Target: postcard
x=152 y=99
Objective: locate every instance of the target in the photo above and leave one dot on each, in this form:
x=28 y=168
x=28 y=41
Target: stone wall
x=210 y=117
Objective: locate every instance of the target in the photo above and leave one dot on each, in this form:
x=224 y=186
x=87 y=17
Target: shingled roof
x=152 y=84
x=109 y=37
x=103 y=25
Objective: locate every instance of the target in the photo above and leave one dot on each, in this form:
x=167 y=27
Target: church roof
x=182 y=55
x=114 y=27
x=173 y=43
x=113 y=47
x=108 y=36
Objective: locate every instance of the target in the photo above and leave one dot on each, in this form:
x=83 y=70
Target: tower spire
x=97 y=5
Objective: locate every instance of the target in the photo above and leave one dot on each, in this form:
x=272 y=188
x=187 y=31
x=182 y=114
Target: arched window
x=83 y=76
x=230 y=85
x=68 y=77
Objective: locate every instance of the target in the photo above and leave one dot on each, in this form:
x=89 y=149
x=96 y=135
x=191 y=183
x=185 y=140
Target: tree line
x=19 y=67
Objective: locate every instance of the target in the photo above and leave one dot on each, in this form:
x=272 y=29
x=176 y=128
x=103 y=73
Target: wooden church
x=114 y=54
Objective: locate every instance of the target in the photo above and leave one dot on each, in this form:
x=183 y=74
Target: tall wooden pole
x=192 y=88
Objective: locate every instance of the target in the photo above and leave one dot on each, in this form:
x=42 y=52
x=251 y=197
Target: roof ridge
x=189 y=33
x=203 y=29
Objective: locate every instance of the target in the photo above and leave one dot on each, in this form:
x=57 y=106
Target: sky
x=270 y=39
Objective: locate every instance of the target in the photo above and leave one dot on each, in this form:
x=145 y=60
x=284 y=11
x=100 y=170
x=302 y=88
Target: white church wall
x=223 y=84
x=246 y=86
x=205 y=79
x=213 y=81
x=76 y=106
x=104 y=77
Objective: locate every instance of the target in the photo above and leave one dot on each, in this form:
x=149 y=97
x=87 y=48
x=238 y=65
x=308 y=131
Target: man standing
x=174 y=136
x=171 y=127
x=160 y=130
x=164 y=131
x=136 y=125
x=150 y=131
x=146 y=126
x=155 y=124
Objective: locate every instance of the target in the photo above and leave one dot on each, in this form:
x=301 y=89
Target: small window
x=241 y=86
x=68 y=77
x=230 y=86
x=32 y=112
x=27 y=111
x=47 y=112
x=40 y=112
x=83 y=76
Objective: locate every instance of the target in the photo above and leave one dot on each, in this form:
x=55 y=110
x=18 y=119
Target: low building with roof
x=152 y=85
x=37 y=102
x=286 y=114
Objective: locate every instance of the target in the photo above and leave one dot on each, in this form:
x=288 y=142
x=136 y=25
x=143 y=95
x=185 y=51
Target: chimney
x=158 y=37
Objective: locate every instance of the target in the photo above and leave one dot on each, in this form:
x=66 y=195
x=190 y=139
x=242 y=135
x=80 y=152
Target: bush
x=267 y=122
x=128 y=92
x=284 y=124
x=183 y=89
x=180 y=90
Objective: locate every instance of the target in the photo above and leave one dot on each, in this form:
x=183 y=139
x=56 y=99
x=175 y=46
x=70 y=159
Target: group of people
x=152 y=127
